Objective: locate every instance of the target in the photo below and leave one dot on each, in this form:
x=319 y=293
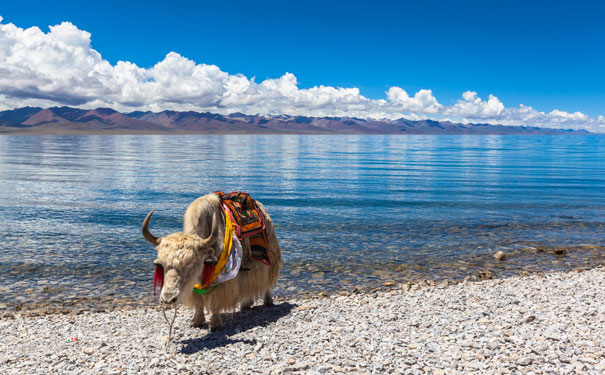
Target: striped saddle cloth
x=249 y=222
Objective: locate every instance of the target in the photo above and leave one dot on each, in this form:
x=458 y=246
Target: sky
x=511 y=62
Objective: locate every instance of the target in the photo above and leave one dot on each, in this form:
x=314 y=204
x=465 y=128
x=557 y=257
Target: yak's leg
x=216 y=323
x=247 y=305
x=199 y=319
x=268 y=300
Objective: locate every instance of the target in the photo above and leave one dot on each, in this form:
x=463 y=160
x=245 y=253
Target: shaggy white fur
x=182 y=255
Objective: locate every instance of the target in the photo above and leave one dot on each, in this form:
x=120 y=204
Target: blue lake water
x=350 y=211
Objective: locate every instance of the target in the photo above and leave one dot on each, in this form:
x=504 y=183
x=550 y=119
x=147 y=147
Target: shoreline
x=551 y=323
x=392 y=277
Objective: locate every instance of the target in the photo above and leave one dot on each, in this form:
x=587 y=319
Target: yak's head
x=180 y=260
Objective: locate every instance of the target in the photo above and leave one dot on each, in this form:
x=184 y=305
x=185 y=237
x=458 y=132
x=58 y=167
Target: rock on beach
x=500 y=255
x=551 y=324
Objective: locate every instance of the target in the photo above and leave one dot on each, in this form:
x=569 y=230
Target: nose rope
x=170 y=323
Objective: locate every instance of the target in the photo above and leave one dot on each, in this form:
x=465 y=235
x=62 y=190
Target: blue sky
x=547 y=55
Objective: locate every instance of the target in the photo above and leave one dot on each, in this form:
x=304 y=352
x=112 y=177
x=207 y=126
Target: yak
x=183 y=255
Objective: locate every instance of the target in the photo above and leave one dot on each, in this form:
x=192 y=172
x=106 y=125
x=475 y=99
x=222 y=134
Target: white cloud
x=528 y=116
x=471 y=106
x=60 y=67
x=422 y=102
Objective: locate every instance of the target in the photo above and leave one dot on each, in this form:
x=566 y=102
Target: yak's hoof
x=268 y=300
x=216 y=329
x=195 y=324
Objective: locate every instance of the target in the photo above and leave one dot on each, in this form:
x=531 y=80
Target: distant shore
x=184 y=132
x=67 y=120
x=552 y=323
x=12 y=131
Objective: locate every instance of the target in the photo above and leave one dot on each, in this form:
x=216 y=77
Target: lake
x=350 y=211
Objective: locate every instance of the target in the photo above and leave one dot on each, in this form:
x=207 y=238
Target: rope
x=170 y=323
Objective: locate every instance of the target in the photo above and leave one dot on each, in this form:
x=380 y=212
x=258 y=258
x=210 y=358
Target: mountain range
x=67 y=120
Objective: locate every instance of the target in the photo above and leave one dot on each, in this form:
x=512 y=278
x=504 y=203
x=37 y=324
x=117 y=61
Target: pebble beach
x=535 y=324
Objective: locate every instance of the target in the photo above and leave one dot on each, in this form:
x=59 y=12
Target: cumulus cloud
x=422 y=102
x=60 y=67
x=526 y=115
x=471 y=106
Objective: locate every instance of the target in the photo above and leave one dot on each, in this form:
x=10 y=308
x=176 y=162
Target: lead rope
x=170 y=323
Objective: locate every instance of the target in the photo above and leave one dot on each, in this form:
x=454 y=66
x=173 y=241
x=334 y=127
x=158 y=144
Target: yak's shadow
x=237 y=322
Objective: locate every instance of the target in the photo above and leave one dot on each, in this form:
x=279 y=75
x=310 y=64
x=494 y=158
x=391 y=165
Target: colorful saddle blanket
x=249 y=222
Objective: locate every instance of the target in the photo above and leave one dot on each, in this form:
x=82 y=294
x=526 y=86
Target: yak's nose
x=170 y=299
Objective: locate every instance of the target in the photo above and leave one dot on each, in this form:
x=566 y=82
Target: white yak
x=183 y=254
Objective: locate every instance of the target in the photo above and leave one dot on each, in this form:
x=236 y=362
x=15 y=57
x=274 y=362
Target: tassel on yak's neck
x=207 y=273
x=158 y=277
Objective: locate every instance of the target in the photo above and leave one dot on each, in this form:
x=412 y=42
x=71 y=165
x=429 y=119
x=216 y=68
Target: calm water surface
x=349 y=210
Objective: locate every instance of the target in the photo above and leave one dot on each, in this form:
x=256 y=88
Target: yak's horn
x=148 y=236
x=213 y=235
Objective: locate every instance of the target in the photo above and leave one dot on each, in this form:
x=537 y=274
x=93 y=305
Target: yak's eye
x=157 y=263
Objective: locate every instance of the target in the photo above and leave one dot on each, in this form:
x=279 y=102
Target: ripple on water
x=350 y=211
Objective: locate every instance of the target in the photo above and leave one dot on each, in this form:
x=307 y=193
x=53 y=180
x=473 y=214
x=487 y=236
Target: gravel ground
x=525 y=325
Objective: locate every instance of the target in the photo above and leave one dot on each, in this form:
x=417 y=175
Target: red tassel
x=158 y=277
x=208 y=271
